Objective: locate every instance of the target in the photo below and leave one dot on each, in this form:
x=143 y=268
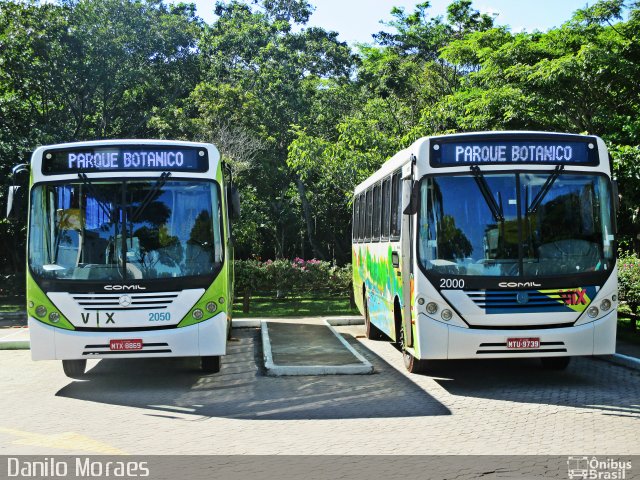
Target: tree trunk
x=352 y=300
x=318 y=251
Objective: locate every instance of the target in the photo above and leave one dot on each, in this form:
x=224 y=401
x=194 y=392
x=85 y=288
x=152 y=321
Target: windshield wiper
x=496 y=209
x=150 y=195
x=544 y=190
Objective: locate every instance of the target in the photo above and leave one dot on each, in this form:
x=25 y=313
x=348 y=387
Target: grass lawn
x=294 y=307
x=624 y=332
x=11 y=305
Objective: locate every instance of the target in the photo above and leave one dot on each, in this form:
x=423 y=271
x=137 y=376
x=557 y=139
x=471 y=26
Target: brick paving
x=166 y=406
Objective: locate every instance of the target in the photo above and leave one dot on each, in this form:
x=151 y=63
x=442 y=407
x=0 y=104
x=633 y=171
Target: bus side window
x=396 y=205
x=377 y=203
x=363 y=208
x=369 y=217
x=386 y=208
x=354 y=221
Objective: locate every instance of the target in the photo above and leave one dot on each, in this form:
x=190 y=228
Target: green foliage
x=284 y=277
x=629 y=279
x=299 y=116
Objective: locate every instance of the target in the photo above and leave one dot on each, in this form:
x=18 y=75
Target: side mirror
x=16 y=194
x=615 y=192
x=233 y=199
x=14 y=201
x=414 y=200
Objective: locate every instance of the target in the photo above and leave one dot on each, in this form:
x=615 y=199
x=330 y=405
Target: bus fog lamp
x=421 y=301
x=614 y=298
x=446 y=314
x=41 y=310
x=605 y=305
x=432 y=307
x=221 y=300
x=197 y=314
x=593 y=312
x=31 y=304
x=54 y=317
x=211 y=307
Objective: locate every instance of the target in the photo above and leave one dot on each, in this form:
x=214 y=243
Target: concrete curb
x=275 y=370
x=14 y=345
x=246 y=323
x=620 y=359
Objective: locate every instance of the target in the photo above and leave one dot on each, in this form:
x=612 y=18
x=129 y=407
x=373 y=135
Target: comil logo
x=593 y=468
x=518 y=284
x=124 y=288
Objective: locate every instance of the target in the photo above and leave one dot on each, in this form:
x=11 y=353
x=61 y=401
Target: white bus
x=128 y=252
x=489 y=245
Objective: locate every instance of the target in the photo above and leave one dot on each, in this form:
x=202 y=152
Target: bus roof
x=419 y=147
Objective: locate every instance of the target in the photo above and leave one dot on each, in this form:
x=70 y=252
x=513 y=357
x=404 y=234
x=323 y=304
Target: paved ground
x=167 y=406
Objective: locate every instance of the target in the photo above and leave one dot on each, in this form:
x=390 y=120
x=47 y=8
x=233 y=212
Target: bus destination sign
x=126 y=158
x=496 y=152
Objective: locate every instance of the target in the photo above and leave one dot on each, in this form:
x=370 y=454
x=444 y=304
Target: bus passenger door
x=406 y=242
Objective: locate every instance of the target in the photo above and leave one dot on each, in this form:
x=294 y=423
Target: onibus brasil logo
x=596 y=469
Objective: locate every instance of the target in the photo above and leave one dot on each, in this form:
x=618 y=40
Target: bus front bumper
x=207 y=338
x=441 y=341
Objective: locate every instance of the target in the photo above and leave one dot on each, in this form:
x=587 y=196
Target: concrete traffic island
x=309 y=348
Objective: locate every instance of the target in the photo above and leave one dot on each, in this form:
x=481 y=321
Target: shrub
x=283 y=277
x=629 y=281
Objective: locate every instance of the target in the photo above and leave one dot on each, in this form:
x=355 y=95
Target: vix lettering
x=573 y=297
x=86 y=317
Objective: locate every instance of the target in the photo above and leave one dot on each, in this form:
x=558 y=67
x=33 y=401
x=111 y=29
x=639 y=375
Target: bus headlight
x=605 y=305
x=432 y=307
x=211 y=307
x=446 y=314
x=41 y=310
x=421 y=301
x=197 y=314
x=54 y=317
x=593 y=312
x=221 y=300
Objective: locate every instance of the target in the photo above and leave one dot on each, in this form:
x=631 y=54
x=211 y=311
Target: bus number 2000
x=451 y=283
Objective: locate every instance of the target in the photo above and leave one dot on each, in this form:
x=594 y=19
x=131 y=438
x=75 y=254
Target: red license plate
x=518 y=343
x=129 y=344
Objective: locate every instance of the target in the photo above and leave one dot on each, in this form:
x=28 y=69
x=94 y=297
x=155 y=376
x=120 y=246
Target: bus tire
x=210 y=364
x=371 y=331
x=555 y=363
x=74 y=368
x=412 y=364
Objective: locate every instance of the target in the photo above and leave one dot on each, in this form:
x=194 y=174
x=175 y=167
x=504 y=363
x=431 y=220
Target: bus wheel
x=371 y=331
x=411 y=363
x=74 y=368
x=555 y=363
x=210 y=364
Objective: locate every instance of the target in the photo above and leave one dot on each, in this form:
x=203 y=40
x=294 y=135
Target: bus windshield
x=124 y=230
x=515 y=224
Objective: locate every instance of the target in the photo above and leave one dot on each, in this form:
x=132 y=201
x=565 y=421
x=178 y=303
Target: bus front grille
x=530 y=301
x=134 y=301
